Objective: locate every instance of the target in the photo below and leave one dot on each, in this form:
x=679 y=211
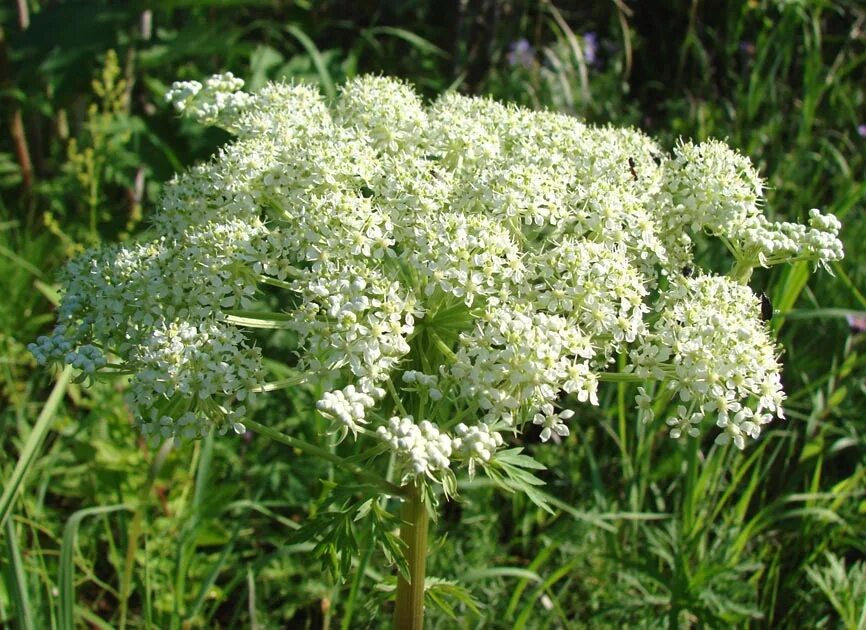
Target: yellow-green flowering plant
x=453 y=273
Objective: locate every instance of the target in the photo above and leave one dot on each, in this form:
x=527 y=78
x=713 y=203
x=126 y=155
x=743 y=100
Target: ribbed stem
x=409 y=609
x=741 y=271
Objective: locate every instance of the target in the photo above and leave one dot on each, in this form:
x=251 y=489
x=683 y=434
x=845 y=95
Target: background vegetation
x=105 y=532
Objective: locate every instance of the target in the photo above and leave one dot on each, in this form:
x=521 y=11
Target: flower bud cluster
x=51 y=347
x=594 y=284
x=385 y=112
x=159 y=307
x=482 y=264
x=426 y=382
x=516 y=361
x=771 y=243
x=218 y=100
x=477 y=442
x=87 y=358
x=423 y=445
x=713 y=188
x=466 y=256
x=356 y=319
x=348 y=406
x=426 y=449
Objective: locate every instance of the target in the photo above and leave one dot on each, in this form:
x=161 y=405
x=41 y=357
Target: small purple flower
x=857 y=321
x=747 y=47
x=590 y=47
x=861 y=129
x=521 y=53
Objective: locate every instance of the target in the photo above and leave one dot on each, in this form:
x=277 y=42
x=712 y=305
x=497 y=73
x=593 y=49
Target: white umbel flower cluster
x=475 y=266
x=219 y=100
x=715 y=355
x=714 y=189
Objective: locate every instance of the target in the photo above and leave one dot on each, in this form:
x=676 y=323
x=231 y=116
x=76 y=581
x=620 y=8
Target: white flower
x=644 y=405
x=217 y=101
x=476 y=444
x=722 y=359
x=423 y=446
x=348 y=406
x=552 y=422
x=499 y=259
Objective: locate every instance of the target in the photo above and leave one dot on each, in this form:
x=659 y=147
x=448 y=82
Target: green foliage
x=510 y=471
x=344 y=524
x=630 y=529
x=844 y=587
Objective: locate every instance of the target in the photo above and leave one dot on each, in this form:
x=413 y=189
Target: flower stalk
x=741 y=272
x=409 y=608
x=311 y=449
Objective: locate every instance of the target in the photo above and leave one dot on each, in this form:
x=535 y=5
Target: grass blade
x=518 y=572
x=542 y=589
x=318 y=60
x=212 y=575
x=576 y=50
x=65 y=581
x=786 y=295
x=31 y=447
x=18 y=260
x=17 y=587
x=251 y=599
x=532 y=570
x=409 y=37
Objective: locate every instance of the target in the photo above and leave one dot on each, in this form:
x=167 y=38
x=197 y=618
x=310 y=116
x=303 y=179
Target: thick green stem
x=741 y=271
x=409 y=609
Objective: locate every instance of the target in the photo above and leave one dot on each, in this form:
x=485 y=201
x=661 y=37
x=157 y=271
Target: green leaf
x=31 y=447
x=440 y=593
x=66 y=600
x=318 y=60
x=512 y=456
x=510 y=470
x=263 y=60
x=17 y=580
x=415 y=40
